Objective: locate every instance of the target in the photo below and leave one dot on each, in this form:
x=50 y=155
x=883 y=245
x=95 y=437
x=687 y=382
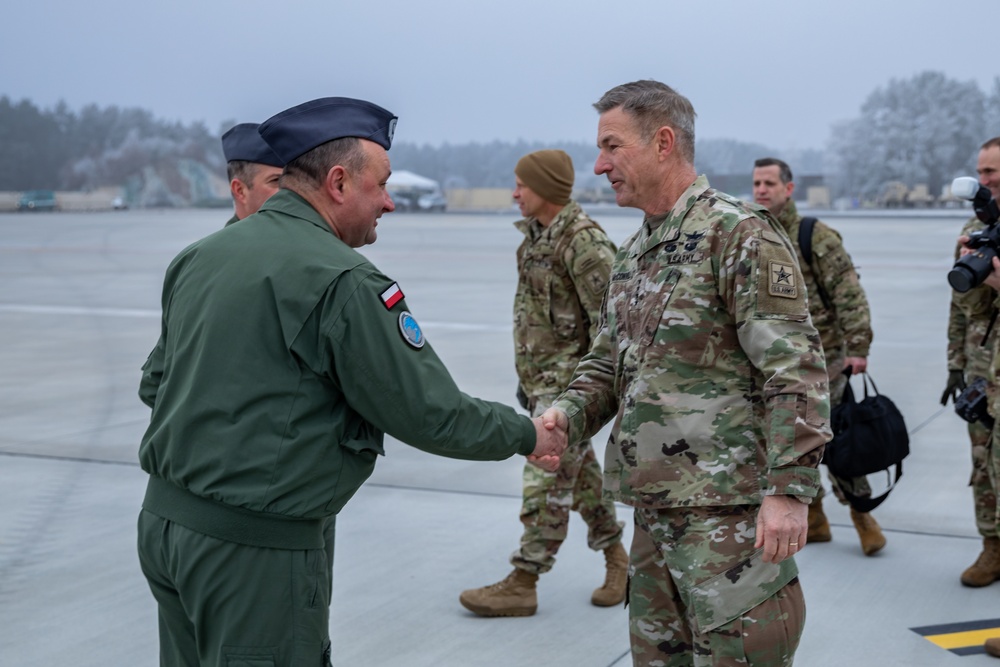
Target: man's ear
x=666 y=142
x=239 y=190
x=336 y=183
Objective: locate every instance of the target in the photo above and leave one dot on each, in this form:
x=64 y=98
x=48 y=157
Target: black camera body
x=972 y=269
x=972 y=404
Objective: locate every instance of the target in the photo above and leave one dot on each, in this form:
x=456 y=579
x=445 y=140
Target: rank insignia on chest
x=692 y=240
x=391 y=296
x=781 y=280
x=411 y=331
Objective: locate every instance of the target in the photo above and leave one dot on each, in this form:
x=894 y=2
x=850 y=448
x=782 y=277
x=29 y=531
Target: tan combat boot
x=819 y=527
x=992 y=646
x=986 y=569
x=616 y=579
x=513 y=596
x=872 y=539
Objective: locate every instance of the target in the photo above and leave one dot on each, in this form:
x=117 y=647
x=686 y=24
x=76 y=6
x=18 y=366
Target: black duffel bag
x=869 y=436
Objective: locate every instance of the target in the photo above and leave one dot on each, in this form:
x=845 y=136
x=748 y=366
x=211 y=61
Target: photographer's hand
x=993 y=279
x=956 y=385
x=964 y=249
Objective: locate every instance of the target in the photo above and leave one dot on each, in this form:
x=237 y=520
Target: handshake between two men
x=551 y=439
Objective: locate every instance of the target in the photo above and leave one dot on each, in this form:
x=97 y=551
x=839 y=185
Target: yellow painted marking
x=963 y=639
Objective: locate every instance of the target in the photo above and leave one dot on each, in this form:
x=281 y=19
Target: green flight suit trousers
x=223 y=604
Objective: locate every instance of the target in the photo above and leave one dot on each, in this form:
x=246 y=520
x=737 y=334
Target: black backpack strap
x=806 y=238
x=989 y=329
x=805 y=245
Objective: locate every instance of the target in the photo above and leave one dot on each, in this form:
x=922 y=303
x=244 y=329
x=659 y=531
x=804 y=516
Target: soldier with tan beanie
x=563 y=269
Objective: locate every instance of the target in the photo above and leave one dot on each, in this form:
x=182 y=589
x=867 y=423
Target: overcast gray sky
x=777 y=73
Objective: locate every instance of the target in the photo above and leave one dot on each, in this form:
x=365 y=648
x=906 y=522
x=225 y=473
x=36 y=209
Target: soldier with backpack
x=839 y=311
x=563 y=268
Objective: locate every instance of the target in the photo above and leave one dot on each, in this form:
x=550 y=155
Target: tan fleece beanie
x=548 y=173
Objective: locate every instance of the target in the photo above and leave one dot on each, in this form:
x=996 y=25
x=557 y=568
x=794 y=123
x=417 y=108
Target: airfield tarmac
x=79 y=309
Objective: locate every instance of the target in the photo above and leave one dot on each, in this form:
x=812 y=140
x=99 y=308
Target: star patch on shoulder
x=781 y=280
x=391 y=296
x=411 y=331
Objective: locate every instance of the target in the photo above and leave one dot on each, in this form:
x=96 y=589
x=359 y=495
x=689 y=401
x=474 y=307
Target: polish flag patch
x=392 y=296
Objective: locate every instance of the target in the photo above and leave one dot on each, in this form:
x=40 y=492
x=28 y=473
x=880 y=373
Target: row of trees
x=925 y=129
x=60 y=149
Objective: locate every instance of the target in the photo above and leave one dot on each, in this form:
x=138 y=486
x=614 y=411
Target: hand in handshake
x=550 y=439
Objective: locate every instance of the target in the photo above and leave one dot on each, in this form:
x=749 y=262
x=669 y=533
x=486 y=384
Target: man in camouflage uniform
x=840 y=313
x=253 y=169
x=988 y=168
x=971 y=350
x=708 y=362
x=563 y=266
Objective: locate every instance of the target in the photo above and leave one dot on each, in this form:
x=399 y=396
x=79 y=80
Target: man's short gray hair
x=653 y=105
x=311 y=167
x=242 y=170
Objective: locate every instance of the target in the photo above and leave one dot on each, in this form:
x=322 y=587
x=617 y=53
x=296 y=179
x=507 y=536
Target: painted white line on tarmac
x=78 y=310
x=155 y=314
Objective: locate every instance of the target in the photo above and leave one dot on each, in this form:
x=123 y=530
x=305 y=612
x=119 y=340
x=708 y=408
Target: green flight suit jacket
x=278 y=369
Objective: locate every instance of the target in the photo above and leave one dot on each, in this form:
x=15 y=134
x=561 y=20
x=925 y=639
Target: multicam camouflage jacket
x=562 y=276
x=845 y=328
x=968 y=323
x=709 y=359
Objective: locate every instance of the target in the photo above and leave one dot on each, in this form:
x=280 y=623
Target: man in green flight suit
x=839 y=310
x=714 y=375
x=252 y=167
x=283 y=358
x=563 y=267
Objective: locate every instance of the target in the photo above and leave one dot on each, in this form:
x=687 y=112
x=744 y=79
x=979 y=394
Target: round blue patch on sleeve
x=411 y=330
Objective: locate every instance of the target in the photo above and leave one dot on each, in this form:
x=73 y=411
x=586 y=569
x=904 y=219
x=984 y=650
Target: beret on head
x=243 y=142
x=302 y=128
x=548 y=173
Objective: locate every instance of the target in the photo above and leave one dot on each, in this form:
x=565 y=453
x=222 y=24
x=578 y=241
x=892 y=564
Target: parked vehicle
x=433 y=202
x=37 y=200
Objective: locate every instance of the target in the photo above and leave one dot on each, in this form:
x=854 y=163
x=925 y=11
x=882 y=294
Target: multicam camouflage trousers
x=700 y=595
x=548 y=499
x=983 y=489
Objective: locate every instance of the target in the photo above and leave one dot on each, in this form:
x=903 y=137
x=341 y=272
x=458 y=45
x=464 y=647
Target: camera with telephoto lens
x=971 y=270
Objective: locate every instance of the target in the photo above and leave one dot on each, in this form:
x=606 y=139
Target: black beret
x=302 y=128
x=243 y=142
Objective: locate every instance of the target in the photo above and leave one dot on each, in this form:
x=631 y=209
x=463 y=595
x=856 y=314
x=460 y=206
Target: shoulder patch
x=781 y=280
x=411 y=331
x=780 y=293
x=391 y=296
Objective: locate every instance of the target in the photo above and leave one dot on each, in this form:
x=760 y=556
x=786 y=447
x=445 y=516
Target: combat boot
x=819 y=527
x=986 y=569
x=992 y=646
x=616 y=579
x=872 y=539
x=513 y=596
